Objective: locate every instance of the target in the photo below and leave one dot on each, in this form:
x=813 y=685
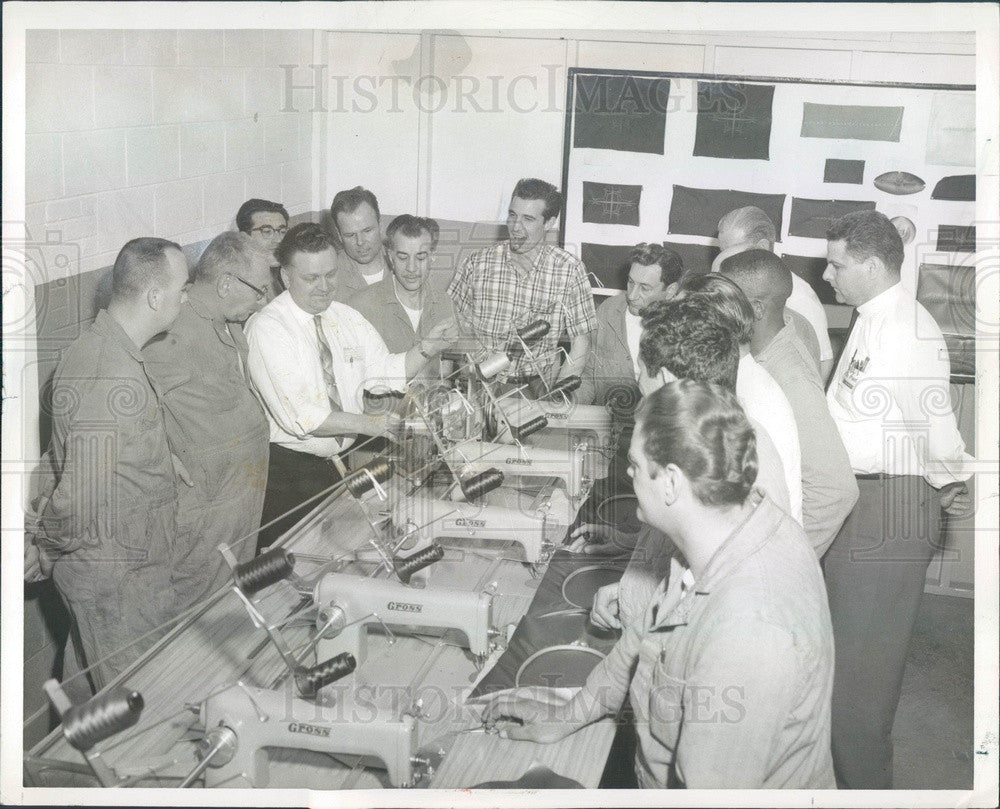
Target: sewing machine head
x=244 y=722
x=525 y=462
x=348 y=605
x=536 y=525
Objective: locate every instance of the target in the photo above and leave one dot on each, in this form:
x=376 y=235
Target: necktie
x=326 y=363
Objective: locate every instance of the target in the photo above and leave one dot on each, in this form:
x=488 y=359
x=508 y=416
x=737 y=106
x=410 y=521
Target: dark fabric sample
x=538 y=630
x=813 y=217
x=851 y=122
x=624 y=113
x=956 y=239
x=958 y=187
x=949 y=294
x=695 y=257
x=609 y=262
x=697 y=211
x=811 y=269
x=610 y=204
x=734 y=120
x=844 y=171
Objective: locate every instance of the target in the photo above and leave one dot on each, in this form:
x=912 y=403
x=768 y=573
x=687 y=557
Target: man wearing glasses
x=266 y=223
x=215 y=425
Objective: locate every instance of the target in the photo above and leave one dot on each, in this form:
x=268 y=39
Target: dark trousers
x=292 y=478
x=875 y=571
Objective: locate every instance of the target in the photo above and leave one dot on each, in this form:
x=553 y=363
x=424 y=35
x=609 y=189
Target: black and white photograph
x=456 y=403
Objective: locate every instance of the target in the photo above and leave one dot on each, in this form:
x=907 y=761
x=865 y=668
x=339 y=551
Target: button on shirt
x=497 y=296
x=890 y=395
x=286 y=371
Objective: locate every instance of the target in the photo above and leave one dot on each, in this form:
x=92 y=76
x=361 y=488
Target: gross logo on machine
x=309 y=730
x=402 y=606
x=563 y=416
x=519 y=461
x=467 y=522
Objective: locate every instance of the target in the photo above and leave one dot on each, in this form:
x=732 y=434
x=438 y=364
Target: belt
x=876 y=476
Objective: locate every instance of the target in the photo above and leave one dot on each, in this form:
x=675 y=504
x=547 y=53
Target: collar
x=284 y=302
x=201 y=311
x=882 y=301
x=746 y=539
x=506 y=256
x=111 y=328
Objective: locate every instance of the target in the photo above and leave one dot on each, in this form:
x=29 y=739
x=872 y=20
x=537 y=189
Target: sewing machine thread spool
x=103 y=716
x=310 y=681
x=361 y=481
x=405 y=567
x=265 y=570
x=566 y=385
x=476 y=486
x=534 y=330
x=529 y=427
x=493 y=365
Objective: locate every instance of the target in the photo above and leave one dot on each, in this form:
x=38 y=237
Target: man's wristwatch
x=424 y=354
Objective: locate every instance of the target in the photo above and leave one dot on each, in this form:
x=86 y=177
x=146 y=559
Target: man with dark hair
x=685 y=338
x=521 y=280
x=406 y=306
x=107 y=517
x=829 y=491
x=311 y=360
x=613 y=365
x=758 y=392
x=266 y=223
x=910 y=462
x=361 y=261
x=214 y=422
x=749 y=228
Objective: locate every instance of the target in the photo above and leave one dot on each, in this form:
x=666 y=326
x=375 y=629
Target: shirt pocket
x=666 y=707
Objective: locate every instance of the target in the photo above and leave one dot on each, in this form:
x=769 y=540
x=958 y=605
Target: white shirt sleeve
x=296 y=406
x=806 y=302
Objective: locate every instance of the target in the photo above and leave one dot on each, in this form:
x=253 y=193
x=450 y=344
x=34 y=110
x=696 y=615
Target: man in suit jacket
x=612 y=367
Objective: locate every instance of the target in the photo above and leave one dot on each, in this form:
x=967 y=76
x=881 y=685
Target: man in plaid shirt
x=503 y=288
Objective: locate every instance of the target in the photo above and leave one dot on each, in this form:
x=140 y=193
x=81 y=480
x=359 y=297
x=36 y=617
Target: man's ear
x=668 y=481
x=154 y=297
x=222 y=284
x=671 y=290
x=758 y=310
x=284 y=277
x=551 y=222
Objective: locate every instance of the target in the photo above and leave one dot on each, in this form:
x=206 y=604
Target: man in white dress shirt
x=748 y=228
x=759 y=394
x=890 y=400
x=311 y=360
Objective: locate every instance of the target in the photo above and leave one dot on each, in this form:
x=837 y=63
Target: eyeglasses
x=267 y=231
x=261 y=291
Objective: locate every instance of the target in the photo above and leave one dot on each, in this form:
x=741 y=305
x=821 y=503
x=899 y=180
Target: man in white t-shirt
x=612 y=368
x=311 y=360
x=748 y=228
x=361 y=261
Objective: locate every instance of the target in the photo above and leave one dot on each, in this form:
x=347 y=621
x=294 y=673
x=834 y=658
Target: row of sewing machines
x=481 y=483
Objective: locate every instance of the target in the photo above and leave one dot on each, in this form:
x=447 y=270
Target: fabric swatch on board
x=956 y=238
x=951 y=130
x=610 y=204
x=810 y=269
x=949 y=294
x=851 y=122
x=734 y=120
x=695 y=257
x=609 y=262
x=697 y=211
x=844 y=171
x=624 y=113
x=813 y=217
x=958 y=187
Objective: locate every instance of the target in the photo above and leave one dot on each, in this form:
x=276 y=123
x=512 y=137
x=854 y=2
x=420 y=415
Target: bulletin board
x=660 y=157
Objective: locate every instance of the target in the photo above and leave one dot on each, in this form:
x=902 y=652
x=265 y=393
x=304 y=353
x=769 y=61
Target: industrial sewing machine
x=348 y=605
x=242 y=723
x=536 y=526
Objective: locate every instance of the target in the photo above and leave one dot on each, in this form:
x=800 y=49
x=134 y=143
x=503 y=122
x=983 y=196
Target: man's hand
x=532 y=714
x=389 y=424
x=37 y=563
x=604 y=611
x=440 y=337
x=180 y=470
x=956 y=500
x=600 y=540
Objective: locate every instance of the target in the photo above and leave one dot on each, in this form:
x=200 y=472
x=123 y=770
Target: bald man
x=749 y=228
x=829 y=490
